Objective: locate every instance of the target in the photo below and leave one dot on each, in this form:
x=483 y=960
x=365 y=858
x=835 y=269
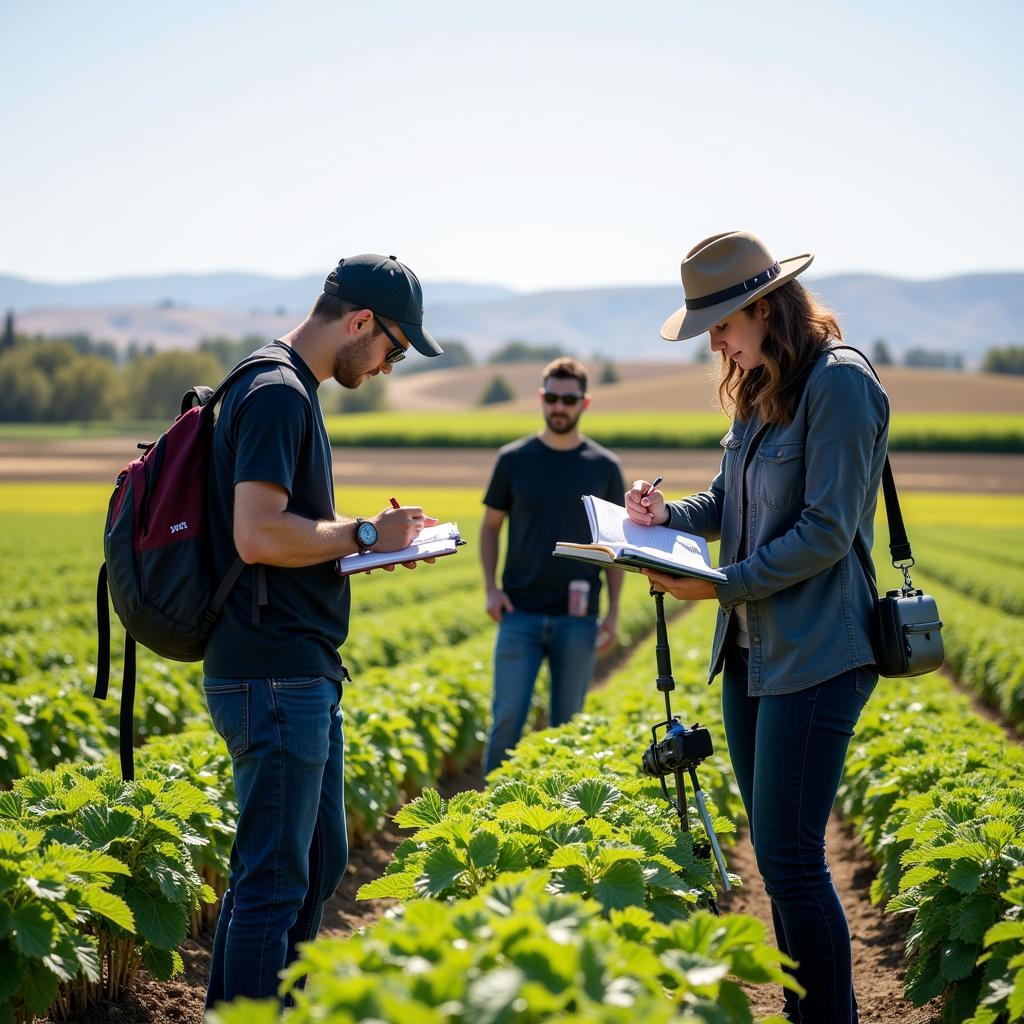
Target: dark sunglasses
x=397 y=353
x=551 y=397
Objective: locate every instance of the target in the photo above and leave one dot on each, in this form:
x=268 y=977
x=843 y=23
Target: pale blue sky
x=537 y=145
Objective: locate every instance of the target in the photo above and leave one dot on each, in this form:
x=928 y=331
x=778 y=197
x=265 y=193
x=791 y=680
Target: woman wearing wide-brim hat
x=799 y=481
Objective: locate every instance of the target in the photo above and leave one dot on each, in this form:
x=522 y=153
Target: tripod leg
x=684 y=820
x=702 y=808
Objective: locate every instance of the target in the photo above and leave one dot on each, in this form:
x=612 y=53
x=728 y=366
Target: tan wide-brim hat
x=722 y=274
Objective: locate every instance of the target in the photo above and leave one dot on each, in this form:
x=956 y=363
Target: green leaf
x=34 y=930
x=12 y=967
x=443 y=868
x=87 y=953
x=105 y=825
x=592 y=796
x=1003 y=931
x=565 y=856
x=957 y=960
x=163 y=964
x=172 y=883
x=512 y=856
x=39 y=988
x=621 y=885
x=1015 y=1004
x=246 y=1011
x=918 y=876
x=535 y=819
x=490 y=998
x=734 y=1001
x=965 y=876
x=163 y=924
x=107 y=905
x=427 y=809
x=483 y=850
x=570 y=880
x=399 y=886
x=974 y=919
x=86 y=863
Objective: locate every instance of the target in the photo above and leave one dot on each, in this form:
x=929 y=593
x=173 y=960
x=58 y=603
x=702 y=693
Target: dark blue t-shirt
x=270 y=428
x=541 y=490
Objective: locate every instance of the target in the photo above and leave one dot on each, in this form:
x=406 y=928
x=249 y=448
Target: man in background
x=546 y=607
x=273 y=674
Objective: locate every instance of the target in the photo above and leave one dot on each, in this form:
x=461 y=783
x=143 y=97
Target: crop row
x=404 y=727
x=984 y=576
x=564 y=891
x=937 y=796
x=984 y=649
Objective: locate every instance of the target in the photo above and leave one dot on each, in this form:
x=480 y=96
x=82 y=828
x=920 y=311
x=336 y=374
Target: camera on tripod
x=679 y=751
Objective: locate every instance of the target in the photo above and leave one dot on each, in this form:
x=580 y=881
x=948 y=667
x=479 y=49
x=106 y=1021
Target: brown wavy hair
x=799 y=329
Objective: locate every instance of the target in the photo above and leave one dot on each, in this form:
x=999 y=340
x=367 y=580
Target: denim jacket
x=811 y=487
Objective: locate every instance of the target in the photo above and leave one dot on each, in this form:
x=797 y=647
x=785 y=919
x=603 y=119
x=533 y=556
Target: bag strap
x=899 y=543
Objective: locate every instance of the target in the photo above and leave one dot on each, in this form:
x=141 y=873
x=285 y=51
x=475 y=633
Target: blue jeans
x=787 y=751
x=291 y=846
x=524 y=640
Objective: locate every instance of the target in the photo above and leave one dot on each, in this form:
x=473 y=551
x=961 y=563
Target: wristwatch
x=366 y=535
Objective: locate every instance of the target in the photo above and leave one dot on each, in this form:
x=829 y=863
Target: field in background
x=677 y=386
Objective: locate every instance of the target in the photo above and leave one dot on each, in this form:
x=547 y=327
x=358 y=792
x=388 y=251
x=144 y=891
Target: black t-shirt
x=270 y=428
x=540 y=490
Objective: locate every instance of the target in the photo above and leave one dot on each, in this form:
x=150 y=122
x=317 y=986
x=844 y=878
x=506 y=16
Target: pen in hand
x=657 y=480
x=394 y=501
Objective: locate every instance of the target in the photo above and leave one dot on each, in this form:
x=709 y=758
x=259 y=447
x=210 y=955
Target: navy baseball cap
x=387 y=287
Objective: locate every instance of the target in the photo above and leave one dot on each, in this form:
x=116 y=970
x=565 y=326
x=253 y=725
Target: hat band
x=742 y=288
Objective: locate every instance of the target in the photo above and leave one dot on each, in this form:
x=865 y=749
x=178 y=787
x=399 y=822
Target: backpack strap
x=126 y=725
x=103 y=626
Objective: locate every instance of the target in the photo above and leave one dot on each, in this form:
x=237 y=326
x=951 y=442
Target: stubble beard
x=565 y=426
x=351 y=361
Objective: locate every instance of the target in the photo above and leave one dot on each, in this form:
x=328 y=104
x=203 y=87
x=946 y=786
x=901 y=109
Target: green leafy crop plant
x=138 y=840
x=518 y=953
x=936 y=795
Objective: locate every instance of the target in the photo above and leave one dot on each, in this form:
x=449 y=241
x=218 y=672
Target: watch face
x=366 y=534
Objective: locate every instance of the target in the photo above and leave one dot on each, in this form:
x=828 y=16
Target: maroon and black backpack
x=158 y=564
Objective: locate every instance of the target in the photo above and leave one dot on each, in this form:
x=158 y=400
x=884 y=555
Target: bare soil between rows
x=685 y=471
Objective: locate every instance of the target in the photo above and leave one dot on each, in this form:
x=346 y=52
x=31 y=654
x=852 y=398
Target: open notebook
x=433 y=542
x=621 y=542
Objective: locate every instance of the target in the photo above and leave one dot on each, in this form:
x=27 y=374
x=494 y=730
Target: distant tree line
x=77 y=378
x=1004 y=360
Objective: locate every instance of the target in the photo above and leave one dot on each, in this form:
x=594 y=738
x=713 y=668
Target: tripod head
x=680 y=750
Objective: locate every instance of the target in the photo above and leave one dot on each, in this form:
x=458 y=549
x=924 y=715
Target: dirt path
x=877 y=938
x=685 y=471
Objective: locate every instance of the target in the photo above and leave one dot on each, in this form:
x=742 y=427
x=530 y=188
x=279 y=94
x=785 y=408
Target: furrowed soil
x=687 y=471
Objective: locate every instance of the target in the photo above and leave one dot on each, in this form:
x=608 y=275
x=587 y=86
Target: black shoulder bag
x=906 y=629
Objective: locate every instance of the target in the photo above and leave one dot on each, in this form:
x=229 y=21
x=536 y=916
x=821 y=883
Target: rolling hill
x=965 y=315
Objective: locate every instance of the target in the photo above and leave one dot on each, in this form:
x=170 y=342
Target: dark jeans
x=788 y=751
x=291 y=846
x=525 y=639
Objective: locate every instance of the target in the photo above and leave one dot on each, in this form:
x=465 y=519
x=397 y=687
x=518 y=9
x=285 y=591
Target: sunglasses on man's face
x=551 y=397
x=397 y=353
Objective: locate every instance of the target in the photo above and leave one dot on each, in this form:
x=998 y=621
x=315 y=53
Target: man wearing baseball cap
x=273 y=674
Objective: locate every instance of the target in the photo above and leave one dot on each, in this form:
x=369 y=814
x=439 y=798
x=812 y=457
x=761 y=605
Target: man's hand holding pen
x=645 y=504
x=398 y=527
